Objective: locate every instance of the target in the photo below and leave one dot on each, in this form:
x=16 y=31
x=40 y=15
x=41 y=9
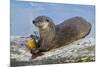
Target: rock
x=79 y=51
x=74 y=52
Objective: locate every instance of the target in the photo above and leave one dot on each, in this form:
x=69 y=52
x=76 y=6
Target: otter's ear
x=33 y=21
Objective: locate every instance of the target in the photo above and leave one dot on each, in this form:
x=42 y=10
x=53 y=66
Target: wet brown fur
x=70 y=30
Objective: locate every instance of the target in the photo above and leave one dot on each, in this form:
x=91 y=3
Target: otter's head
x=42 y=22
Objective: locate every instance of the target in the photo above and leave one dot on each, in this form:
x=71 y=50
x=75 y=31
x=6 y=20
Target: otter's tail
x=89 y=30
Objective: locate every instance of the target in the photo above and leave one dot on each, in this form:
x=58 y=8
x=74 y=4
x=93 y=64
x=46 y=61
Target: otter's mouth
x=38 y=25
x=41 y=25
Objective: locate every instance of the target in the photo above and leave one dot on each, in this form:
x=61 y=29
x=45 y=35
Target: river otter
x=54 y=36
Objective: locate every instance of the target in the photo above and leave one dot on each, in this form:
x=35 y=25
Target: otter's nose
x=33 y=21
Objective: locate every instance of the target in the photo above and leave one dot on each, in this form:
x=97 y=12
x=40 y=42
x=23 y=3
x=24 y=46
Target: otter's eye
x=47 y=20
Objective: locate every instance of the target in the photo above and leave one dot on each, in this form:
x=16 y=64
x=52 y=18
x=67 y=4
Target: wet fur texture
x=54 y=36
